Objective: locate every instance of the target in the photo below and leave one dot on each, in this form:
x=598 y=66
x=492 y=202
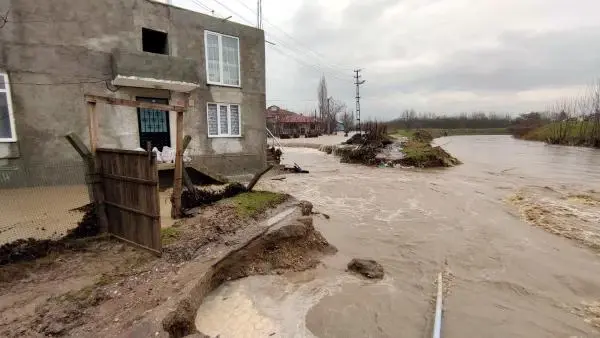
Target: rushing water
x=509 y=279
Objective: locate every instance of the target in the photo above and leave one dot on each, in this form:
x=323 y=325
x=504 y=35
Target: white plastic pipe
x=437 y=325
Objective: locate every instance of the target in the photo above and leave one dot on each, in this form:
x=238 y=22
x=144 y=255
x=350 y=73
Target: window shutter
x=213 y=57
x=235 y=120
x=231 y=62
x=213 y=126
x=223 y=120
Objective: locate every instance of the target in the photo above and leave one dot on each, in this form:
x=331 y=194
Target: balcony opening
x=154 y=41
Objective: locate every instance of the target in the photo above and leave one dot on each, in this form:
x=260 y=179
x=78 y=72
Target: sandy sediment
x=570 y=214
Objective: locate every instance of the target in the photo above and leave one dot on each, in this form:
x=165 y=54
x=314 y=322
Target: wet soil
x=108 y=287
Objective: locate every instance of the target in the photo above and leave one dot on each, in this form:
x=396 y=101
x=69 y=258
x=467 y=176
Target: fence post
x=92 y=179
x=93 y=125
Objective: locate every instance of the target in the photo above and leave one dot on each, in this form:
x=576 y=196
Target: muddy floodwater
x=505 y=276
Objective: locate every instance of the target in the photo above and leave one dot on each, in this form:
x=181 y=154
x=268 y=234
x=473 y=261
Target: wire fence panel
x=41 y=201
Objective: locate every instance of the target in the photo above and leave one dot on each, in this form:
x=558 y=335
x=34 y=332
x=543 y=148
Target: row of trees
x=410 y=119
x=572 y=121
x=332 y=111
x=576 y=120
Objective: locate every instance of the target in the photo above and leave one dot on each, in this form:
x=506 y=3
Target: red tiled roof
x=273 y=113
x=286 y=116
x=297 y=119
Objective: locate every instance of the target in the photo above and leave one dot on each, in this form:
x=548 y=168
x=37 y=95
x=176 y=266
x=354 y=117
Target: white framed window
x=222 y=59
x=223 y=120
x=7 y=119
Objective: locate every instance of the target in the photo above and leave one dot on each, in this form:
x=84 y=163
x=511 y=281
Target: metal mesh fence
x=41 y=201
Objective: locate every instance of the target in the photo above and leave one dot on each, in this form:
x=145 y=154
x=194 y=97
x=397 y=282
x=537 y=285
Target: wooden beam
x=129 y=179
x=132 y=103
x=178 y=180
x=131 y=210
x=187 y=181
x=79 y=146
x=186 y=142
x=88 y=159
x=257 y=177
x=93 y=126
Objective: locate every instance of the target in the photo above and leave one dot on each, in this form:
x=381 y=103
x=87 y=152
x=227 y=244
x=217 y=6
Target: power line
x=314 y=54
x=305 y=47
x=202 y=5
x=232 y=11
x=306 y=64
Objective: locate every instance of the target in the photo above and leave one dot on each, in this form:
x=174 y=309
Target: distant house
x=286 y=124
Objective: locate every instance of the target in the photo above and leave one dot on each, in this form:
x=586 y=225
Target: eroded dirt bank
x=109 y=289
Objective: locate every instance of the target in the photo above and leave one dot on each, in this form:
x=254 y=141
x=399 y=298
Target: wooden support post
x=93 y=125
x=178 y=180
x=187 y=181
x=95 y=191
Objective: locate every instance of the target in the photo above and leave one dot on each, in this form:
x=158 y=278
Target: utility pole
x=358 y=83
x=259 y=14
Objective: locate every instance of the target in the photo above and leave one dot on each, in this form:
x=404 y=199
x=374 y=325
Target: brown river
x=504 y=277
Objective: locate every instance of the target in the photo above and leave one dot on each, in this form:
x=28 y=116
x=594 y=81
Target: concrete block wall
x=63 y=42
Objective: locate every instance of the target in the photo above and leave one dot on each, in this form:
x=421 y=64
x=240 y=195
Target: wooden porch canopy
x=92 y=100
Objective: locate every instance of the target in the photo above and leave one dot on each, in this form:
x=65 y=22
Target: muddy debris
x=296 y=246
x=296 y=169
x=424 y=155
x=366 y=267
x=422 y=136
x=570 y=214
x=376 y=147
x=274 y=155
x=306 y=207
x=293 y=247
x=201 y=197
x=61 y=314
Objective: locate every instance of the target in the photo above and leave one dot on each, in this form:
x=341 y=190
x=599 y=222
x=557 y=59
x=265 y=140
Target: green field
x=575 y=133
x=453 y=132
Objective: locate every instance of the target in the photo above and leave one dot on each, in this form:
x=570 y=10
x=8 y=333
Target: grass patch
x=169 y=235
x=573 y=133
x=423 y=155
x=252 y=204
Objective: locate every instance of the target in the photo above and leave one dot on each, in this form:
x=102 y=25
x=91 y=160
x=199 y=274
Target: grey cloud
x=522 y=61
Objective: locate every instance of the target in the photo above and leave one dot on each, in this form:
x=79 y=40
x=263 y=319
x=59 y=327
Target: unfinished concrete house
x=53 y=52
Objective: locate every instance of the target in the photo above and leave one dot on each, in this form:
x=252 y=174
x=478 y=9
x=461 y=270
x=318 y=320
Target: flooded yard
x=510 y=277
x=40 y=212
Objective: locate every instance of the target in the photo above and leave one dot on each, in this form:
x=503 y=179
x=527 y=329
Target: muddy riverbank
x=510 y=278
x=106 y=288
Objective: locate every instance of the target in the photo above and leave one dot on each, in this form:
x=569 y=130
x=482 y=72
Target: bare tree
x=323 y=99
x=334 y=109
x=348 y=121
x=409 y=115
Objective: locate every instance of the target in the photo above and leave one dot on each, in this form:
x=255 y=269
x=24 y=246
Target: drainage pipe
x=437 y=325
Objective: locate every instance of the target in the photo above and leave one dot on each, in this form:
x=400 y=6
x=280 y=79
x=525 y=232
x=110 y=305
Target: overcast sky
x=442 y=56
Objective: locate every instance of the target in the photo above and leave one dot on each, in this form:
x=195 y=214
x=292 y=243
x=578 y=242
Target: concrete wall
x=64 y=42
